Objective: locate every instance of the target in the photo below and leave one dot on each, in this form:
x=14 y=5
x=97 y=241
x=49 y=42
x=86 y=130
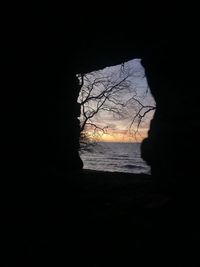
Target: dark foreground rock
x=98 y=219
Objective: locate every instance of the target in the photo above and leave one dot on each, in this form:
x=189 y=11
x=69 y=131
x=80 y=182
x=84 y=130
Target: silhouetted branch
x=106 y=93
x=140 y=116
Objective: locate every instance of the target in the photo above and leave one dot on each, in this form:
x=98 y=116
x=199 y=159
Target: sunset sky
x=117 y=129
x=120 y=136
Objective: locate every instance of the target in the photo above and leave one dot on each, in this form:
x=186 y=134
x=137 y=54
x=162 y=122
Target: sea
x=114 y=157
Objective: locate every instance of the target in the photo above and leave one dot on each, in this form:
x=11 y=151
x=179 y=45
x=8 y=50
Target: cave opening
x=116 y=109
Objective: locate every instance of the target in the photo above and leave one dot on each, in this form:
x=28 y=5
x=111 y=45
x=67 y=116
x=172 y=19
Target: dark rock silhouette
x=53 y=212
x=169 y=148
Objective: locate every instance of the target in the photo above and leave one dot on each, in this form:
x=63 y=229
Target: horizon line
x=116 y=141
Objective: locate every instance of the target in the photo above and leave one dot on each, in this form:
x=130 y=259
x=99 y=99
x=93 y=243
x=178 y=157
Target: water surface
x=115 y=157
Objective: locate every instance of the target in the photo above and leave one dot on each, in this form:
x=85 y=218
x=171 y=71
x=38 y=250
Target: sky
x=133 y=91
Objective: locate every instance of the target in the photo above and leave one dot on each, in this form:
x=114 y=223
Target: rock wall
x=57 y=122
x=172 y=146
x=41 y=126
x=172 y=140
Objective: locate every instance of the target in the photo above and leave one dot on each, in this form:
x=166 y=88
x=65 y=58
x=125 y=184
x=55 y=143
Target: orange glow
x=119 y=136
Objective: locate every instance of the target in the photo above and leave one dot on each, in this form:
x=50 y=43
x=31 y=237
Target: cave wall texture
x=81 y=38
x=101 y=37
x=51 y=216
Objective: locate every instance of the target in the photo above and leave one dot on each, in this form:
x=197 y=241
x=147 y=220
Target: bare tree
x=112 y=92
x=139 y=115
